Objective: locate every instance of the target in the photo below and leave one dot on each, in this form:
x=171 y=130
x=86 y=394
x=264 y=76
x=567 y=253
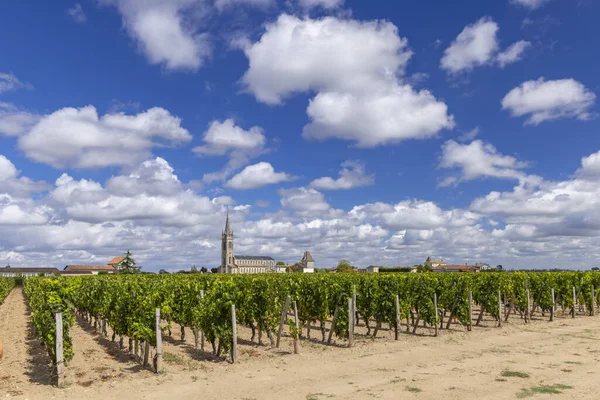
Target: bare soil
x=456 y=365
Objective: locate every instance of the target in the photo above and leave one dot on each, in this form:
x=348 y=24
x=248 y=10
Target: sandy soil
x=455 y=365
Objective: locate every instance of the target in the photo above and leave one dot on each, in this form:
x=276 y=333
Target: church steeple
x=227 y=227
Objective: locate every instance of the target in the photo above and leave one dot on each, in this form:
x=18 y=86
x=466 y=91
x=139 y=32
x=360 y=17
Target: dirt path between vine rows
x=562 y=356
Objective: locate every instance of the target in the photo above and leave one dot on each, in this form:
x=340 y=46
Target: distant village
x=241 y=264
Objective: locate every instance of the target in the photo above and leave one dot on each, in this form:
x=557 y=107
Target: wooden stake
x=354 y=307
x=201 y=331
x=527 y=312
x=470 y=324
x=398 y=318
x=60 y=366
x=283 y=318
x=435 y=310
x=593 y=305
x=499 y=309
x=337 y=308
x=146 y=352
x=158 y=343
x=234 y=353
x=296 y=339
x=350 y=323
x=553 y=305
x=574 y=301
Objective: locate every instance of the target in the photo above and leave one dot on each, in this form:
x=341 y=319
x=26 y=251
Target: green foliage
x=6 y=285
x=46 y=297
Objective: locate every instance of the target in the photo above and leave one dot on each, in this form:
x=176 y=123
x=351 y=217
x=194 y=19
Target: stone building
x=232 y=264
x=307 y=265
x=434 y=263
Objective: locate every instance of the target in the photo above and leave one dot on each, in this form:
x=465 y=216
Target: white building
x=10 y=272
x=307 y=265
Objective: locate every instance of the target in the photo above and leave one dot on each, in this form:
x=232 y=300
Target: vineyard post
x=59 y=350
x=201 y=331
x=553 y=306
x=337 y=308
x=296 y=339
x=354 y=306
x=398 y=318
x=469 y=325
x=528 y=300
x=592 y=311
x=233 y=335
x=283 y=318
x=158 y=343
x=435 y=310
x=350 y=322
x=499 y=309
x=146 y=352
x=574 y=301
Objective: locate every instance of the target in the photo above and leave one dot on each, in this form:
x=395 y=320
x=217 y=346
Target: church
x=232 y=264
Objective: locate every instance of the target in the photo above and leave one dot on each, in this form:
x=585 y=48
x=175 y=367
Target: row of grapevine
x=203 y=302
x=46 y=297
x=6 y=285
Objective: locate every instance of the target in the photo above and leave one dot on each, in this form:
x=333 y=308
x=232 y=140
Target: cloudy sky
x=381 y=132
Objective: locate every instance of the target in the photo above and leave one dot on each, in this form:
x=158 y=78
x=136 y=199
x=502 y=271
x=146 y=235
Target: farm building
x=11 y=272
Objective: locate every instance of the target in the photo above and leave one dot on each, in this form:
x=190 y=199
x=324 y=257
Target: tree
x=344 y=266
x=214 y=270
x=203 y=270
x=163 y=272
x=127 y=266
x=280 y=263
x=423 y=268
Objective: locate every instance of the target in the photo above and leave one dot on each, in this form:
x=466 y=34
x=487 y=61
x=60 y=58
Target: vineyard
x=329 y=304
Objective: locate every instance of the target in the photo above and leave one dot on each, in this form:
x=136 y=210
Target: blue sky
x=464 y=130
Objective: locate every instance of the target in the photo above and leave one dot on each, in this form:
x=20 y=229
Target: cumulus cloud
x=513 y=53
x=530 y=4
x=257 y=175
x=477 y=45
x=166 y=31
x=478 y=160
x=352 y=175
x=15 y=186
x=76 y=12
x=10 y=82
x=547 y=100
x=13 y=121
x=80 y=138
x=355 y=68
x=303 y=200
x=226 y=138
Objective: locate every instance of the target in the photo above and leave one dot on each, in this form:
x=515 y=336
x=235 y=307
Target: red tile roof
x=116 y=260
x=89 y=268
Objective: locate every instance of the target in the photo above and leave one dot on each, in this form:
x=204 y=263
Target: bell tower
x=227 y=245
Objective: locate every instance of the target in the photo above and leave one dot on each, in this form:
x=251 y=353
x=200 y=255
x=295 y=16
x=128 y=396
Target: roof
x=116 y=260
x=30 y=270
x=89 y=268
x=307 y=257
x=76 y=272
x=254 y=258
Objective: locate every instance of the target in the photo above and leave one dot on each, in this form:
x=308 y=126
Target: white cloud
x=478 y=160
x=590 y=166
x=352 y=175
x=326 y=4
x=226 y=4
x=547 y=100
x=303 y=200
x=13 y=121
x=240 y=145
x=7 y=169
x=76 y=12
x=257 y=175
x=513 y=53
x=13 y=185
x=355 y=68
x=82 y=139
x=530 y=4
x=10 y=82
x=477 y=45
x=166 y=31
x=470 y=135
